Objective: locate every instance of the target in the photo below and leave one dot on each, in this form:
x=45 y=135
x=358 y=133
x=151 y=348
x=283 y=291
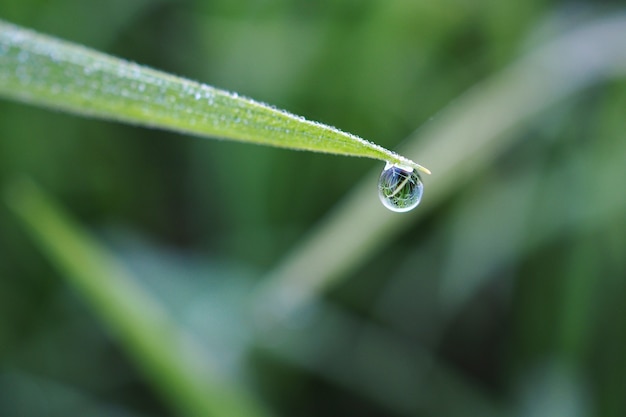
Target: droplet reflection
x=400 y=189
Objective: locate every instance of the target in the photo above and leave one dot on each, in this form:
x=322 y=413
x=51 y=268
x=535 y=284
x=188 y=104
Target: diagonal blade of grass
x=460 y=142
x=39 y=69
x=175 y=362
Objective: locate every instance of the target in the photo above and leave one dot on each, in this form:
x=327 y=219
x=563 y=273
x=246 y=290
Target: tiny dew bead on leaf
x=400 y=189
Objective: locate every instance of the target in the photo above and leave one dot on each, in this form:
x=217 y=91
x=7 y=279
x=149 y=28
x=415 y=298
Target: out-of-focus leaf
x=174 y=360
x=460 y=142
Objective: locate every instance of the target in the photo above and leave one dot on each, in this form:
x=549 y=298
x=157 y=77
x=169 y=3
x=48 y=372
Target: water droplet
x=400 y=189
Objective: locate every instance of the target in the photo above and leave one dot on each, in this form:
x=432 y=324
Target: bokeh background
x=506 y=296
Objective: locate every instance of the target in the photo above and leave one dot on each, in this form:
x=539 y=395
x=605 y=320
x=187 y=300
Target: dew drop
x=400 y=189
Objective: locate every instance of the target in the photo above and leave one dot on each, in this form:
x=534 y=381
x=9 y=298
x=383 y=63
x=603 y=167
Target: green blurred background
x=508 y=298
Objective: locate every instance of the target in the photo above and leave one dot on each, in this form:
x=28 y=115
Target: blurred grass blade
x=168 y=355
x=41 y=70
x=460 y=142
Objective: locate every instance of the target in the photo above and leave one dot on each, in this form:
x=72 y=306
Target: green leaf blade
x=41 y=70
x=170 y=356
